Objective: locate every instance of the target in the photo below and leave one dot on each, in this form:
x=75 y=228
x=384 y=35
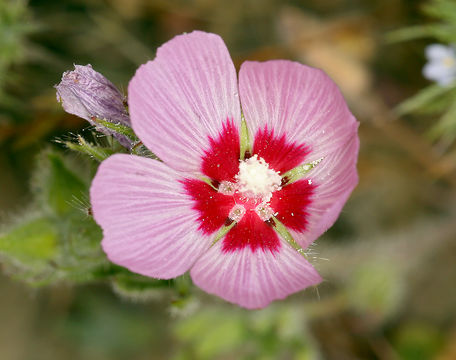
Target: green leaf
x=62 y=186
x=438 y=105
x=408 y=33
x=443 y=10
x=444 y=33
x=212 y=333
x=139 y=288
x=135 y=282
x=422 y=99
x=419 y=341
x=376 y=288
x=446 y=125
x=33 y=241
x=183 y=284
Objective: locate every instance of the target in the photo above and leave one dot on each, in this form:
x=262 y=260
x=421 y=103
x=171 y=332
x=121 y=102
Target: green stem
x=87 y=148
x=118 y=128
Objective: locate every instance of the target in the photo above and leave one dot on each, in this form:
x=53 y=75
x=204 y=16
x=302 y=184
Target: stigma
x=256 y=179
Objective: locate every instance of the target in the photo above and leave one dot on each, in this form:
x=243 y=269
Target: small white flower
x=441 y=65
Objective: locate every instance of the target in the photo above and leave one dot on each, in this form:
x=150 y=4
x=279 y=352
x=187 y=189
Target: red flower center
x=250 y=192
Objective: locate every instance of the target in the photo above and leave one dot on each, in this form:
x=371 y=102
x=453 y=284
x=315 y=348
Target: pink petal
x=334 y=179
x=253 y=279
x=304 y=105
x=148 y=222
x=182 y=97
x=297 y=101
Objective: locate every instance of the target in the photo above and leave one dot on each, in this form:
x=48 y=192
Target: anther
x=264 y=211
x=226 y=187
x=237 y=212
x=284 y=181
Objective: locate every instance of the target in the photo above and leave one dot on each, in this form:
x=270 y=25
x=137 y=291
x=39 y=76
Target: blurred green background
x=389 y=263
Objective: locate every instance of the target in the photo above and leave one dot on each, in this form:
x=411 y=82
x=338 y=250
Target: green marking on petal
x=223 y=231
x=208 y=181
x=285 y=234
x=299 y=171
x=245 y=139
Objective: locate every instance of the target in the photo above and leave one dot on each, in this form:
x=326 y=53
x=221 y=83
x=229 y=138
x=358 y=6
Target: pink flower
x=161 y=219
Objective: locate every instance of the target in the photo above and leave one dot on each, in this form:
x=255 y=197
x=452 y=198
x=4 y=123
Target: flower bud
x=89 y=95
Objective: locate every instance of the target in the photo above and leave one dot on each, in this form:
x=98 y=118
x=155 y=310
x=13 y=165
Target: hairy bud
x=89 y=95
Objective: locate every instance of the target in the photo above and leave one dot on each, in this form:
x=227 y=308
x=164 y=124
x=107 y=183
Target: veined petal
x=148 y=222
x=332 y=181
x=183 y=97
x=297 y=101
x=253 y=279
x=304 y=105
